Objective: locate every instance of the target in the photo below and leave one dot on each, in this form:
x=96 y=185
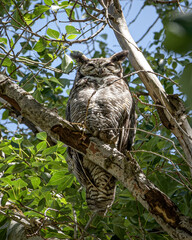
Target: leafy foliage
x=34 y=50
x=179 y=39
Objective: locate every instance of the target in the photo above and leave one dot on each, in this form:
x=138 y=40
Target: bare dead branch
x=178 y=125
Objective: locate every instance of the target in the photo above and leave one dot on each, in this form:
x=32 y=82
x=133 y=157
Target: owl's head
x=100 y=67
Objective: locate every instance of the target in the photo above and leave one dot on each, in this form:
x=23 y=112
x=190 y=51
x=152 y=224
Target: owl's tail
x=100 y=190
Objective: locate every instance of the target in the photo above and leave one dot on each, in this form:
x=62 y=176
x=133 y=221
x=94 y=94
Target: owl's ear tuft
x=119 y=57
x=79 y=57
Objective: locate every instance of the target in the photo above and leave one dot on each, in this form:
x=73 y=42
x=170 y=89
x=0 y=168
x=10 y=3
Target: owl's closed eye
x=98 y=67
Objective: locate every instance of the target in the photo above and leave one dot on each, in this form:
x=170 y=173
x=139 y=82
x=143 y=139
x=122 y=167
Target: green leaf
x=28 y=86
x=174 y=65
x=26 y=46
x=38 y=96
x=41 y=135
x=53 y=33
x=161 y=144
x=119 y=231
x=186 y=82
x=57 y=235
x=28 y=20
x=3 y=40
x=4 y=143
x=67 y=64
x=41 y=9
x=104 y=36
x=17 y=140
x=4 y=199
x=7 y=62
x=57 y=178
x=54 y=165
x=72 y=36
x=17 y=20
x=71 y=30
x=53 y=79
x=179 y=34
x=61 y=180
x=50 y=55
x=10 y=158
x=49 y=150
x=65 y=3
x=40 y=46
x=35 y=182
x=46 y=176
x=12 y=42
x=6 y=181
x=19 y=183
x=68 y=11
x=17 y=168
x=48 y=2
x=67 y=182
x=42 y=204
x=5 y=114
x=7 y=150
x=41 y=146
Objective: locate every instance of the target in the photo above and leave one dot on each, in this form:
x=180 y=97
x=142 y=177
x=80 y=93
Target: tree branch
x=121 y=166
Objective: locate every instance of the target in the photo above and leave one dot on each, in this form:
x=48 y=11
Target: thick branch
x=124 y=168
x=45 y=119
x=173 y=115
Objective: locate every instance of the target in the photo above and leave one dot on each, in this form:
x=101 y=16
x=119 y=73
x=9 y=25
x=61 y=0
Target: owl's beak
x=100 y=71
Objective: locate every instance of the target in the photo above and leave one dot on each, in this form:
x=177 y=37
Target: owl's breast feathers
x=103 y=105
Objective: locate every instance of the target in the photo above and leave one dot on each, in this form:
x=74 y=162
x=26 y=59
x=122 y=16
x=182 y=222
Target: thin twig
x=157 y=74
x=137 y=15
x=148 y=29
x=87 y=225
x=161 y=156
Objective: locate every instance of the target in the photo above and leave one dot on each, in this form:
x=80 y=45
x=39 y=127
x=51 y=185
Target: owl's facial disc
x=99 y=67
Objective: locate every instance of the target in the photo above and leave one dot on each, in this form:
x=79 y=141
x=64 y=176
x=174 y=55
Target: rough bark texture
x=45 y=119
x=124 y=168
x=173 y=114
x=17 y=231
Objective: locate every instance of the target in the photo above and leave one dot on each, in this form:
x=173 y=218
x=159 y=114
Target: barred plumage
x=101 y=101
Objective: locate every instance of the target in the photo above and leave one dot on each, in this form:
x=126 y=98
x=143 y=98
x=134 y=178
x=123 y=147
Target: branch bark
x=123 y=167
x=17 y=231
x=173 y=115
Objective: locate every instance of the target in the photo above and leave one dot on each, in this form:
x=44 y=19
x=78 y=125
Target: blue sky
x=138 y=28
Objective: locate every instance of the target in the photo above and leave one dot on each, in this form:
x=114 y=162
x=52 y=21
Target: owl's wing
x=75 y=159
x=128 y=128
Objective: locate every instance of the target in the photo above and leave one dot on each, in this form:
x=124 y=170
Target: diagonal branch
x=173 y=114
x=122 y=167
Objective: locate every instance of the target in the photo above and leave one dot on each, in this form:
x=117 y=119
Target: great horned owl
x=101 y=102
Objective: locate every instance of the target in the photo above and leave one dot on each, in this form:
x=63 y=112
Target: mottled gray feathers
x=78 y=56
x=100 y=101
